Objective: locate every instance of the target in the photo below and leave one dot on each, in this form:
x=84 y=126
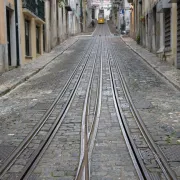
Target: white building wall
x=47 y=26
x=64 y=23
x=74 y=21
x=70 y=23
x=127 y=14
x=106 y=13
x=96 y=13
x=53 y=28
x=59 y=24
x=127 y=19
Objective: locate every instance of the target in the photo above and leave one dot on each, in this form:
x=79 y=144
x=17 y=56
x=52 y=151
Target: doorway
x=8 y=35
x=37 y=40
x=44 y=38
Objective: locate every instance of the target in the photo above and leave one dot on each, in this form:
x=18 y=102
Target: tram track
x=122 y=98
x=88 y=133
x=54 y=125
x=102 y=30
x=88 y=140
x=100 y=55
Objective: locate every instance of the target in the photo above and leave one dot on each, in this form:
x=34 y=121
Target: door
x=37 y=40
x=93 y=13
x=44 y=39
x=8 y=36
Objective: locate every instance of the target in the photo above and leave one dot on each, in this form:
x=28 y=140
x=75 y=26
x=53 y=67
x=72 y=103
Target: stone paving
x=63 y=157
x=156 y=99
x=11 y=79
x=102 y=30
x=166 y=70
x=112 y=27
x=110 y=157
x=24 y=106
x=28 y=153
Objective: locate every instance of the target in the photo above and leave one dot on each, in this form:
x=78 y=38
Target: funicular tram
x=101 y=19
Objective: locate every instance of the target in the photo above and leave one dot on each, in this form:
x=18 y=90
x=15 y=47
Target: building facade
x=62 y=19
x=21 y=32
x=30 y=28
x=120 y=14
x=32 y=19
x=155 y=25
x=9 y=34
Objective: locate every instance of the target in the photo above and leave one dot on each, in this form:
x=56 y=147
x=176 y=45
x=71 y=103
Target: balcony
x=34 y=8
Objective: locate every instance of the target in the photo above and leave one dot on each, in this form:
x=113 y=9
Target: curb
x=172 y=82
x=8 y=89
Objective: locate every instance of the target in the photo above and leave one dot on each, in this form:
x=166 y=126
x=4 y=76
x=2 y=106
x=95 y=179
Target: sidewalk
x=11 y=79
x=112 y=27
x=166 y=70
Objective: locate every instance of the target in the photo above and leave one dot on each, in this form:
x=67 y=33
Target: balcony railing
x=35 y=6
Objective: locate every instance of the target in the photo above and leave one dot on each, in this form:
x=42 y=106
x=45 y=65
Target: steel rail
x=97 y=101
x=159 y=156
x=129 y=142
x=83 y=169
x=1 y=94
x=97 y=105
x=52 y=132
x=94 y=128
x=9 y=161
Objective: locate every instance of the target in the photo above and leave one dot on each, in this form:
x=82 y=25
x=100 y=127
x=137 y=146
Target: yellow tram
x=101 y=19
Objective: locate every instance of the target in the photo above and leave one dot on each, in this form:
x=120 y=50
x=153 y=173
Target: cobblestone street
x=95 y=109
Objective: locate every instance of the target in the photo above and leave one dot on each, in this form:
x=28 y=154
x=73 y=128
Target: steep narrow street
x=97 y=111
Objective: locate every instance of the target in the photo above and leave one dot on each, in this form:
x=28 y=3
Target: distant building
x=98 y=4
x=121 y=15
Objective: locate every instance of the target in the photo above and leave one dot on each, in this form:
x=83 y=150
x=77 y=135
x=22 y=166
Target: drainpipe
x=17 y=32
